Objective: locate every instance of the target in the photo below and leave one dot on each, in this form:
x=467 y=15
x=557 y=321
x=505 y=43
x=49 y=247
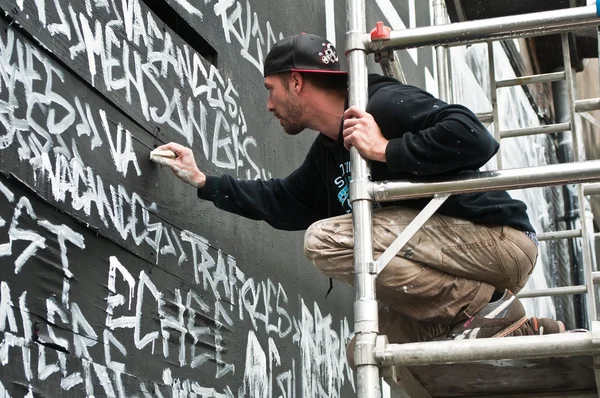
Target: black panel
x=202 y=301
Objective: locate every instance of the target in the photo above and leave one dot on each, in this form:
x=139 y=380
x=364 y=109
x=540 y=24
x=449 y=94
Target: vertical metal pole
x=494 y=101
x=585 y=231
x=598 y=36
x=441 y=52
x=366 y=324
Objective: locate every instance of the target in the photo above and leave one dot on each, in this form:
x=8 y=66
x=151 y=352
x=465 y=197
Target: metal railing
x=373 y=351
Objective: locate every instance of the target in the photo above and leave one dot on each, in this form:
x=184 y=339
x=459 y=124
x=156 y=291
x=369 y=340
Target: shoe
x=535 y=326
x=497 y=319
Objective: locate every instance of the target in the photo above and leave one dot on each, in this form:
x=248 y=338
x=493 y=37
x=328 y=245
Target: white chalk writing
x=189 y=326
x=149 y=68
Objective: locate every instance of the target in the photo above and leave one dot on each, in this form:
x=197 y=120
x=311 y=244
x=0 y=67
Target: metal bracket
x=355 y=41
x=364 y=350
x=363 y=316
x=383 y=56
x=361 y=190
x=370 y=267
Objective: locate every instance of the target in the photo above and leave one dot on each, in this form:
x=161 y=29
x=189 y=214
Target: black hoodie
x=427 y=138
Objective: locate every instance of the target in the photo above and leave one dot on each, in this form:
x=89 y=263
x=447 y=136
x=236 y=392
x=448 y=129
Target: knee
x=314 y=241
x=328 y=239
x=350 y=352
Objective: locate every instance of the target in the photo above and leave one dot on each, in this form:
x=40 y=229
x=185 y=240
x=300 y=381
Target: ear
x=296 y=82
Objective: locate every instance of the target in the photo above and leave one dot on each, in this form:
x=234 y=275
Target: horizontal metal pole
x=554 y=291
x=572 y=233
x=556 y=174
x=543 y=78
x=462 y=33
x=526 y=347
x=591 y=189
x=559 y=394
x=546 y=129
x=559 y=291
x=486 y=117
x=591 y=104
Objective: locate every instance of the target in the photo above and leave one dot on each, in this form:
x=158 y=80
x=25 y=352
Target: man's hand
x=362 y=132
x=183 y=165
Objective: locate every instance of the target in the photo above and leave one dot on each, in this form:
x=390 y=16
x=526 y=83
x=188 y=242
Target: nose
x=270 y=106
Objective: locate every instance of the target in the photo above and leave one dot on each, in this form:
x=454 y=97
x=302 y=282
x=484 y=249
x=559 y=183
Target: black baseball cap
x=302 y=53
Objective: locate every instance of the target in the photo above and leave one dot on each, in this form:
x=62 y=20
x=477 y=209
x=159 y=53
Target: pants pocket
x=480 y=261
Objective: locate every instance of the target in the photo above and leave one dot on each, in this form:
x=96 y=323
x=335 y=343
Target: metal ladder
x=373 y=352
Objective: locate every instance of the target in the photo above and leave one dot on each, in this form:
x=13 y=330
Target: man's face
x=285 y=104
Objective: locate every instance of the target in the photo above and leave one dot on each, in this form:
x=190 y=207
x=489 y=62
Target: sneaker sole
x=512 y=327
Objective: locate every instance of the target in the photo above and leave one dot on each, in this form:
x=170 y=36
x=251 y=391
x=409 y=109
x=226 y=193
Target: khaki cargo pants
x=447 y=271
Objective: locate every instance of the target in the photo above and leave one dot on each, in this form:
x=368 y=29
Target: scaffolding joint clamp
x=355 y=41
x=364 y=350
x=370 y=268
x=385 y=56
x=365 y=316
x=380 y=32
x=361 y=190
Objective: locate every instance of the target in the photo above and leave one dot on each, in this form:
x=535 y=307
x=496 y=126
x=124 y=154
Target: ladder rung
x=542 y=78
x=547 y=129
x=572 y=233
x=591 y=104
x=591 y=189
x=485 y=117
x=559 y=291
x=553 y=291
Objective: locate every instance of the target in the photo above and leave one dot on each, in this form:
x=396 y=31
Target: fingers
x=163 y=160
x=171 y=151
x=348 y=142
x=178 y=149
x=354 y=111
x=180 y=160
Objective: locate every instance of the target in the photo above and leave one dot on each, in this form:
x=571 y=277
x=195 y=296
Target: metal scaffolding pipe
x=543 y=78
x=545 y=129
x=591 y=189
x=557 y=174
x=553 y=235
x=560 y=291
x=527 y=347
x=553 y=291
x=590 y=104
x=366 y=324
x=462 y=33
x=485 y=117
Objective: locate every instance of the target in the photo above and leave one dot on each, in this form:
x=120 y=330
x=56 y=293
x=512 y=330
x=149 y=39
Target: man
x=456 y=277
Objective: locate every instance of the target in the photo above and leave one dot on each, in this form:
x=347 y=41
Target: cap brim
x=340 y=72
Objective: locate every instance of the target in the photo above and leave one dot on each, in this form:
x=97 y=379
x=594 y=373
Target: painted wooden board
x=115 y=280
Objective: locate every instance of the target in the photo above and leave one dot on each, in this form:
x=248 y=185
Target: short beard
x=294 y=123
x=293 y=129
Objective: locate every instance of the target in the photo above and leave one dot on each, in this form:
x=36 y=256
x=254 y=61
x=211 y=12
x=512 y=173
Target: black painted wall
x=115 y=280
